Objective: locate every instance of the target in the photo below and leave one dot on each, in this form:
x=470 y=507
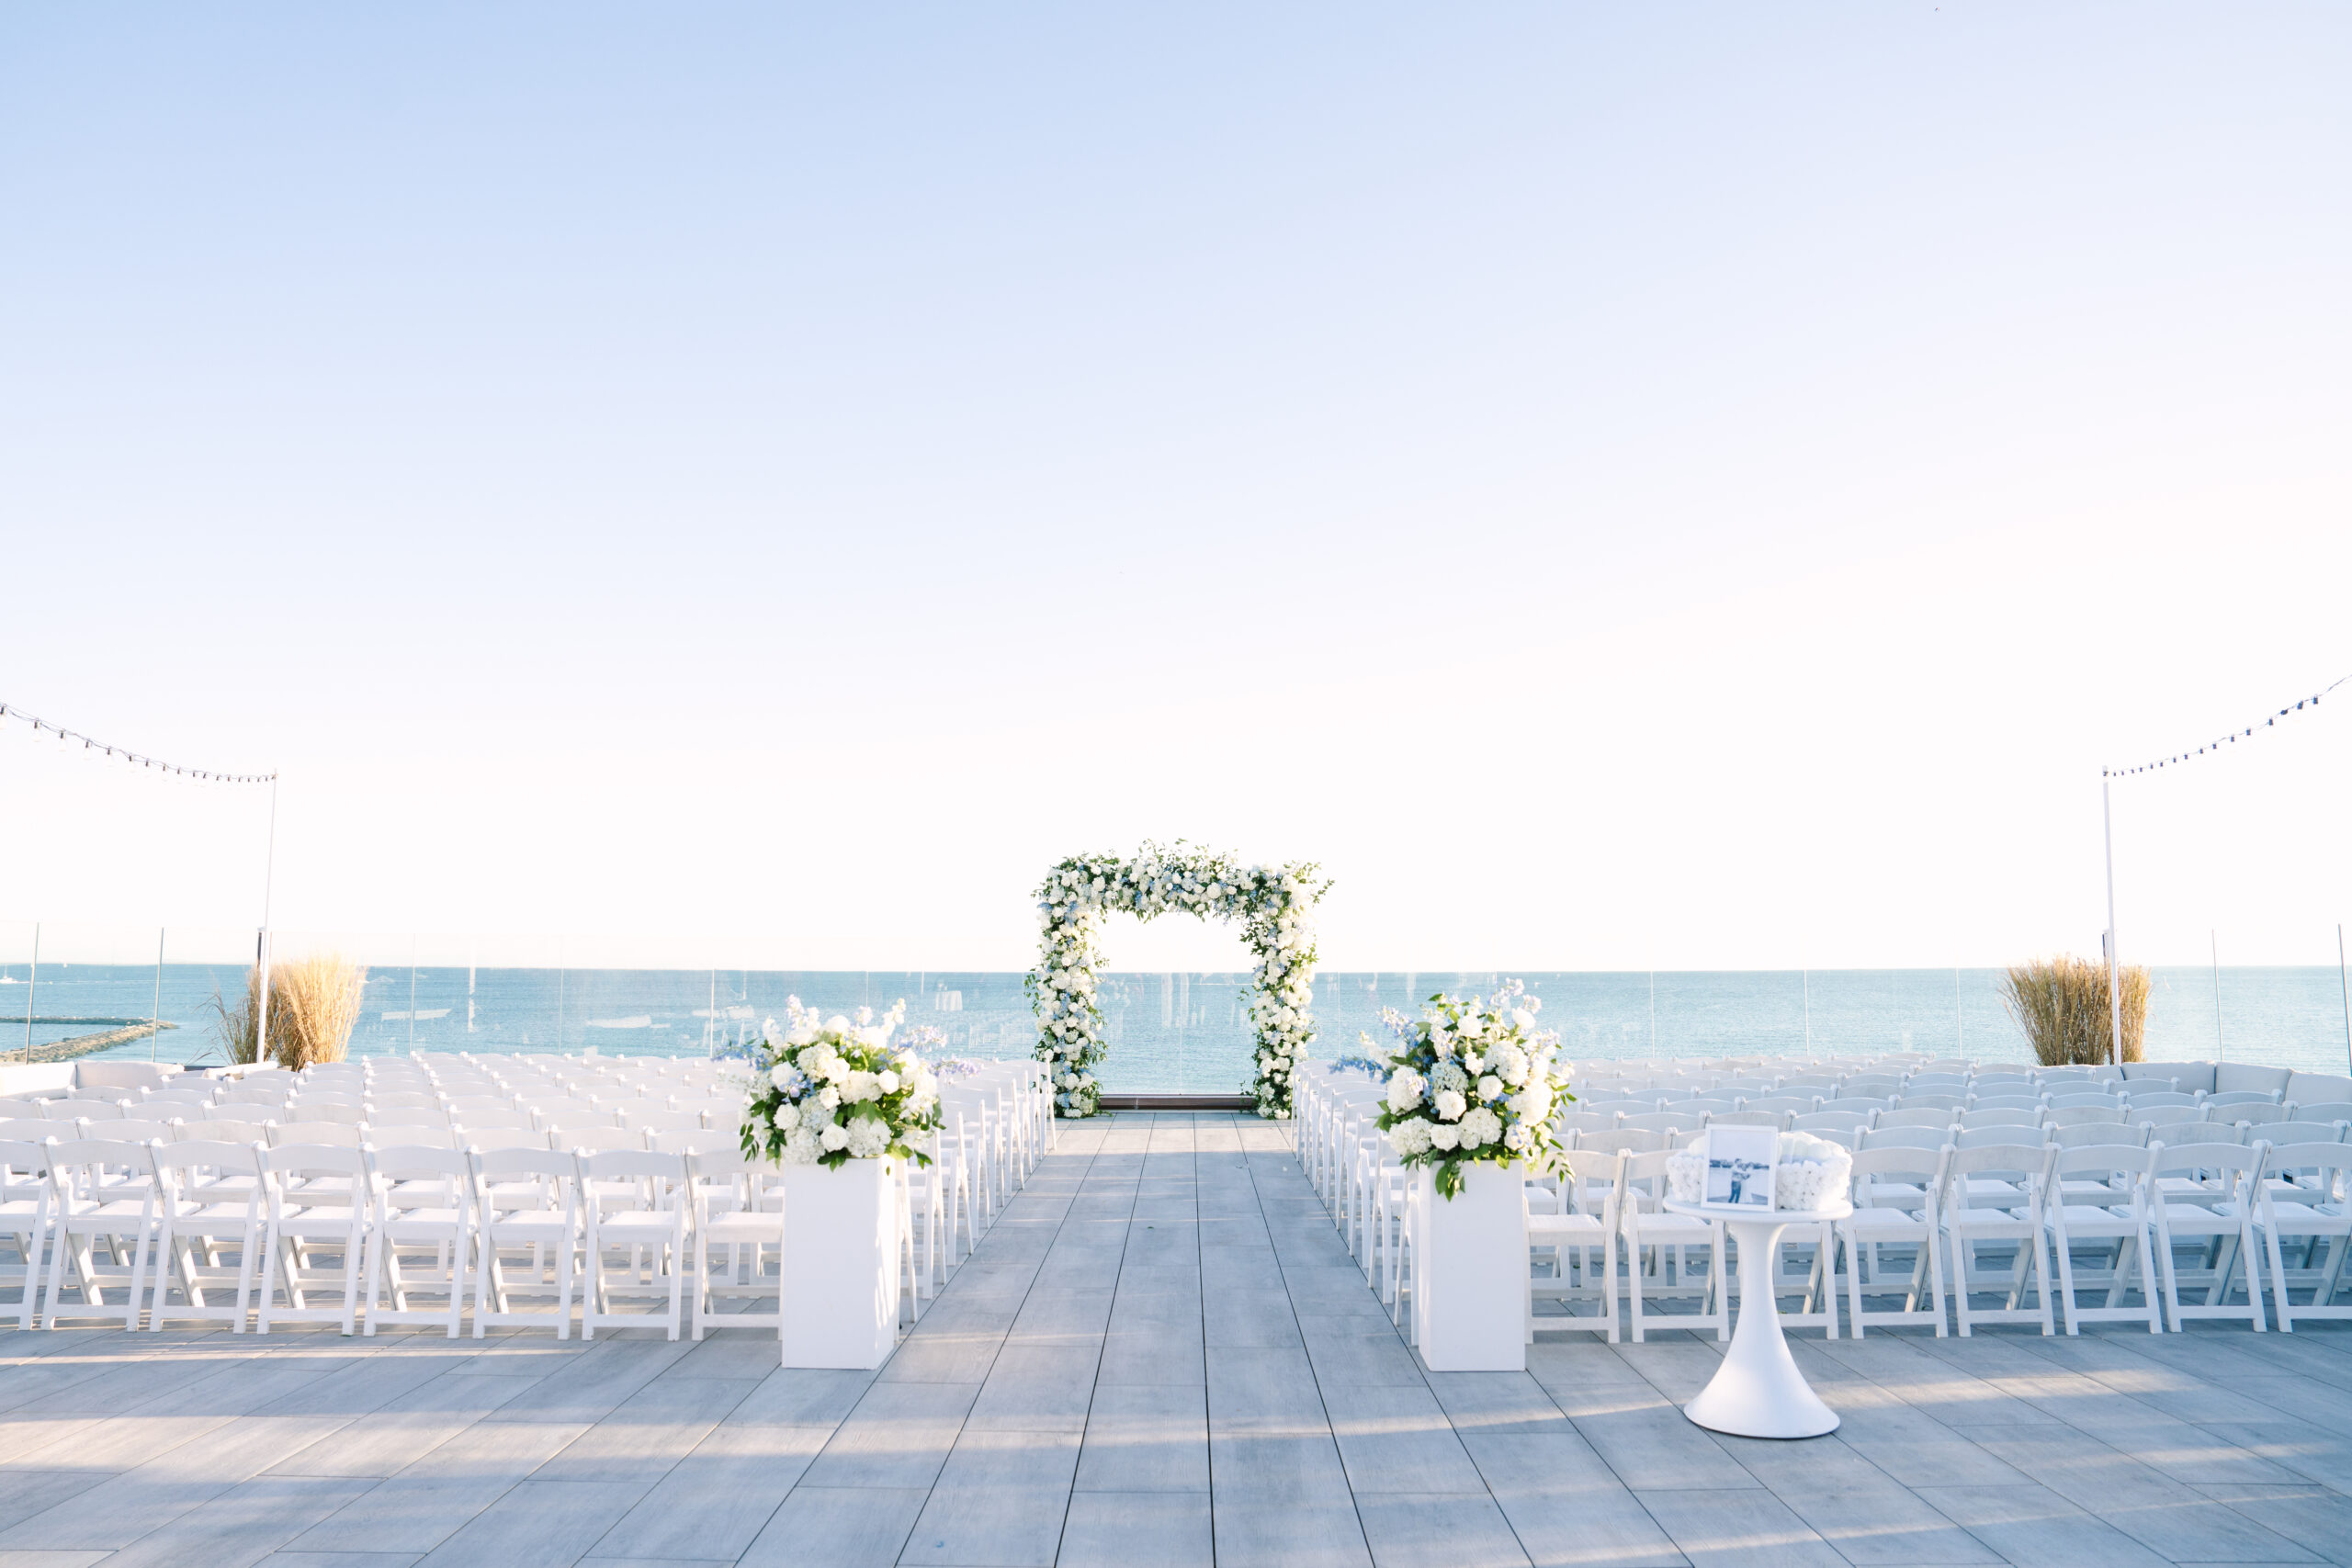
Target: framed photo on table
x=1739 y=1166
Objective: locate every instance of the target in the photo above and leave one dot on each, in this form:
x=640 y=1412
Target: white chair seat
x=1545 y=1228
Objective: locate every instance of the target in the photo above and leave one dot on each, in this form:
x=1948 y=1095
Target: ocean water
x=1190 y=1032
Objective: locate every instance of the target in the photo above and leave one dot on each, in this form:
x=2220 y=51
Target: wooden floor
x=1162 y=1354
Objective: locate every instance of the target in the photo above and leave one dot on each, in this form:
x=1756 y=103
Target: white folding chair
x=1993 y=1196
x=420 y=1196
x=318 y=1206
x=526 y=1198
x=1898 y=1213
x=211 y=1200
x=648 y=1222
x=2317 y=1210
x=739 y=1206
x=2213 y=1210
x=26 y=1199
x=90 y=1204
x=1658 y=1251
x=2114 y=1226
x=1583 y=1246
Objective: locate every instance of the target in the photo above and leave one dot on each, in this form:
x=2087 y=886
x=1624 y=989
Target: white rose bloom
x=837 y=1070
x=802 y=1034
x=1490 y=1087
x=787 y=1117
x=834 y=1137
x=1521 y=1017
x=1450 y=1105
x=1443 y=1137
x=887 y=1081
x=837 y=1024
x=1532 y=1103
x=782 y=1075
x=1472 y=1062
x=830 y=1098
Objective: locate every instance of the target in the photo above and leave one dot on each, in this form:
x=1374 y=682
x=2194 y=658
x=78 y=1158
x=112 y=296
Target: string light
x=2230 y=739
x=93 y=749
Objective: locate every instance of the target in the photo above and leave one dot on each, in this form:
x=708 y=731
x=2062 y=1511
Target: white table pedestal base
x=840 y=1283
x=1759 y=1392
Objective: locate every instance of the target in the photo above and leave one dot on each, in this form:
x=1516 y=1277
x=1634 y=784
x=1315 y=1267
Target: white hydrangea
x=1404 y=1088
x=1409 y=1138
x=867 y=1138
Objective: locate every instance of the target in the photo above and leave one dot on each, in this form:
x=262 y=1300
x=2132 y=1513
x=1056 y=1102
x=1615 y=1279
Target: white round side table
x=1757 y=1391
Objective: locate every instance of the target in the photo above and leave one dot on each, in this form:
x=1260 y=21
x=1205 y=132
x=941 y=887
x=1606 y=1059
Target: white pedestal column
x=841 y=1264
x=1757 y=1391
x=1470 y=1271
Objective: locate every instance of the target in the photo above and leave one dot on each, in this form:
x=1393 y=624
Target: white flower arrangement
x=827 y=1090
x=1474 y=1080
x=1271 y=902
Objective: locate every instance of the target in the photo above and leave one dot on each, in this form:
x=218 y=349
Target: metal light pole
x=2114 y=961
x=155 y=1015
x=31 y=984
x=2346 y=986
x=261 y=943
x=2219 y=1049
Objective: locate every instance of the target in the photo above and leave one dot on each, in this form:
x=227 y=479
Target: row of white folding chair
x=1899 y=1147
x=2045 y=1203
x=281 y=1207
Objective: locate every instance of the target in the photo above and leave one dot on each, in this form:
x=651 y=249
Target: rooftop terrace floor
x=1162 y=1354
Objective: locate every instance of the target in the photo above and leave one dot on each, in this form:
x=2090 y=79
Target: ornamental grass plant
x=2061 y=1004
x=314 y=1007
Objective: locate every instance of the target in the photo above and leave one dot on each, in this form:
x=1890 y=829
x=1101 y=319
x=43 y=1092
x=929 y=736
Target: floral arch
x=1271 y=902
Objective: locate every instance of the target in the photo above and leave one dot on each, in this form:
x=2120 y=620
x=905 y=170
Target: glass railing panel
x=1167 y=1032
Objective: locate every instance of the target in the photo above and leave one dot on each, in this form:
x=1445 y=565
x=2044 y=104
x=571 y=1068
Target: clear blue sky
x=1670 y=484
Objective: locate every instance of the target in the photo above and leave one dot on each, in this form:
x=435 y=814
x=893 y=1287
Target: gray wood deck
x=1162 y=1354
